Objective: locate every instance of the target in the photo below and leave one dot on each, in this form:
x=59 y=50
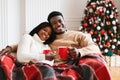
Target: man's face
x=58 y=24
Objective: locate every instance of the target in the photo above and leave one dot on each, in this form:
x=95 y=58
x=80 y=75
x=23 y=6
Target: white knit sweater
x=30 y=48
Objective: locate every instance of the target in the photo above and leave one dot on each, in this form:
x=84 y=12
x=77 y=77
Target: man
x=81 y=50
x=78 y=43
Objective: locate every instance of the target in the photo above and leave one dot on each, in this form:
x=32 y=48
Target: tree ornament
x=94 y=39
x=95 y=32
x=102 y=24
x=90 y=22
x=109 y=31
x=94 y=25
x=85 y=24
x=116 y=10
x=111 y=16
x=101 y=46
x=107 y=11
x=97 y=39
x=106 y=5
x=118 y=42
x=97 y=2
x=114 y=40
x=98 y=27
x=102 y=31
x=108 y=44
x=91 y=10
x=110 y=53
x=114 y=22
x=93 y=5
x=108 y=23
x=99 y=19
x=91 y=32
x=114 y=28
x=113 y=46
x=104 y=9
x=106 y=50
x=106 y=37
x=80 y=28
x=110 y=4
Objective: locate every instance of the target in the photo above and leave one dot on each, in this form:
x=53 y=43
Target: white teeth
x=61 y=28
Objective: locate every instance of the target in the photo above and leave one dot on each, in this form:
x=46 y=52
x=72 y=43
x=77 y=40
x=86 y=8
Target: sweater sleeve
x=23 y=52
x=87 y=45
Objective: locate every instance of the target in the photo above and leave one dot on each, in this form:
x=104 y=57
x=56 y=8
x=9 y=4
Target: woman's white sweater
x=30 y=48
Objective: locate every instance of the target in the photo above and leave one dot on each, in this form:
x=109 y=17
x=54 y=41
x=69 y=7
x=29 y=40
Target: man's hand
x=6 y=50
x=73 y=53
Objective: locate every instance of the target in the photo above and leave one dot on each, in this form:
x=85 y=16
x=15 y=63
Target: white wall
x=117 y=5
x=3 y=23
x=19 y=16
x=13 y=15
x=10 y=22
x=38 y=10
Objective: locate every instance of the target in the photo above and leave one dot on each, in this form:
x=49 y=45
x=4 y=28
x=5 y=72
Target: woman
x=31 y=46
x=30 y=49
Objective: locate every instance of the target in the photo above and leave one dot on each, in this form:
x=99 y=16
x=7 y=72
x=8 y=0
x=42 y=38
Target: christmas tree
x=101 y=22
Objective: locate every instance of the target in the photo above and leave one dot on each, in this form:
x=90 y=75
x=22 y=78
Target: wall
x=10 y=22
x=3 y=22
x=20 y=16
x=117 y=5
x=38 y=10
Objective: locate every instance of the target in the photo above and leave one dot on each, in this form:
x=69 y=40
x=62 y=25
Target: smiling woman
x=45 y=33
x=32 y=45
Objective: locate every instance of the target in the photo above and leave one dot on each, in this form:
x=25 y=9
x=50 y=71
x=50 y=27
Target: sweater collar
x=37 y=38
x=61 y=35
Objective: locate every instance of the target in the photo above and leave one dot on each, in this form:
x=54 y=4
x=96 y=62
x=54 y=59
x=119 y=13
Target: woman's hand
x=73 y=53
x=6 y=50
x=50 y=56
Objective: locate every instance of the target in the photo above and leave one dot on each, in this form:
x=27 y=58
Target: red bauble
x=94 y=25
x=98 y=39
x=95 y=32
x=109 y=32
x=102 y=14
x=85 y=24
x=102 y=31
x=108 y=44
x=91 y=32
x=113 y=50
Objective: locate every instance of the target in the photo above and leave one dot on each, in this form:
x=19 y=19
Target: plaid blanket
x=90 y=67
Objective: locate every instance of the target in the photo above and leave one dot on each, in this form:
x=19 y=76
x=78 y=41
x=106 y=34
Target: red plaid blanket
x=90 y=67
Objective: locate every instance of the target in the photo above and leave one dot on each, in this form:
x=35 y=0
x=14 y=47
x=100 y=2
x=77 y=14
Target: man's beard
x=61 y=31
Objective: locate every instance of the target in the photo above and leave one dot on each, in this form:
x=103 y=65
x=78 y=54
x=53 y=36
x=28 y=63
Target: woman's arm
x=24 y=53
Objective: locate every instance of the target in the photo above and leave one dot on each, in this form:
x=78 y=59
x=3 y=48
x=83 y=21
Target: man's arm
x=9 y=49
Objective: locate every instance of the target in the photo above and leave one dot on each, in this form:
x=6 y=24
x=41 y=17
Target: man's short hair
x=52 y=14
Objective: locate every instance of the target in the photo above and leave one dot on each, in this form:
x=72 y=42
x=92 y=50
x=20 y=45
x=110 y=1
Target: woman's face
x=45 y=33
